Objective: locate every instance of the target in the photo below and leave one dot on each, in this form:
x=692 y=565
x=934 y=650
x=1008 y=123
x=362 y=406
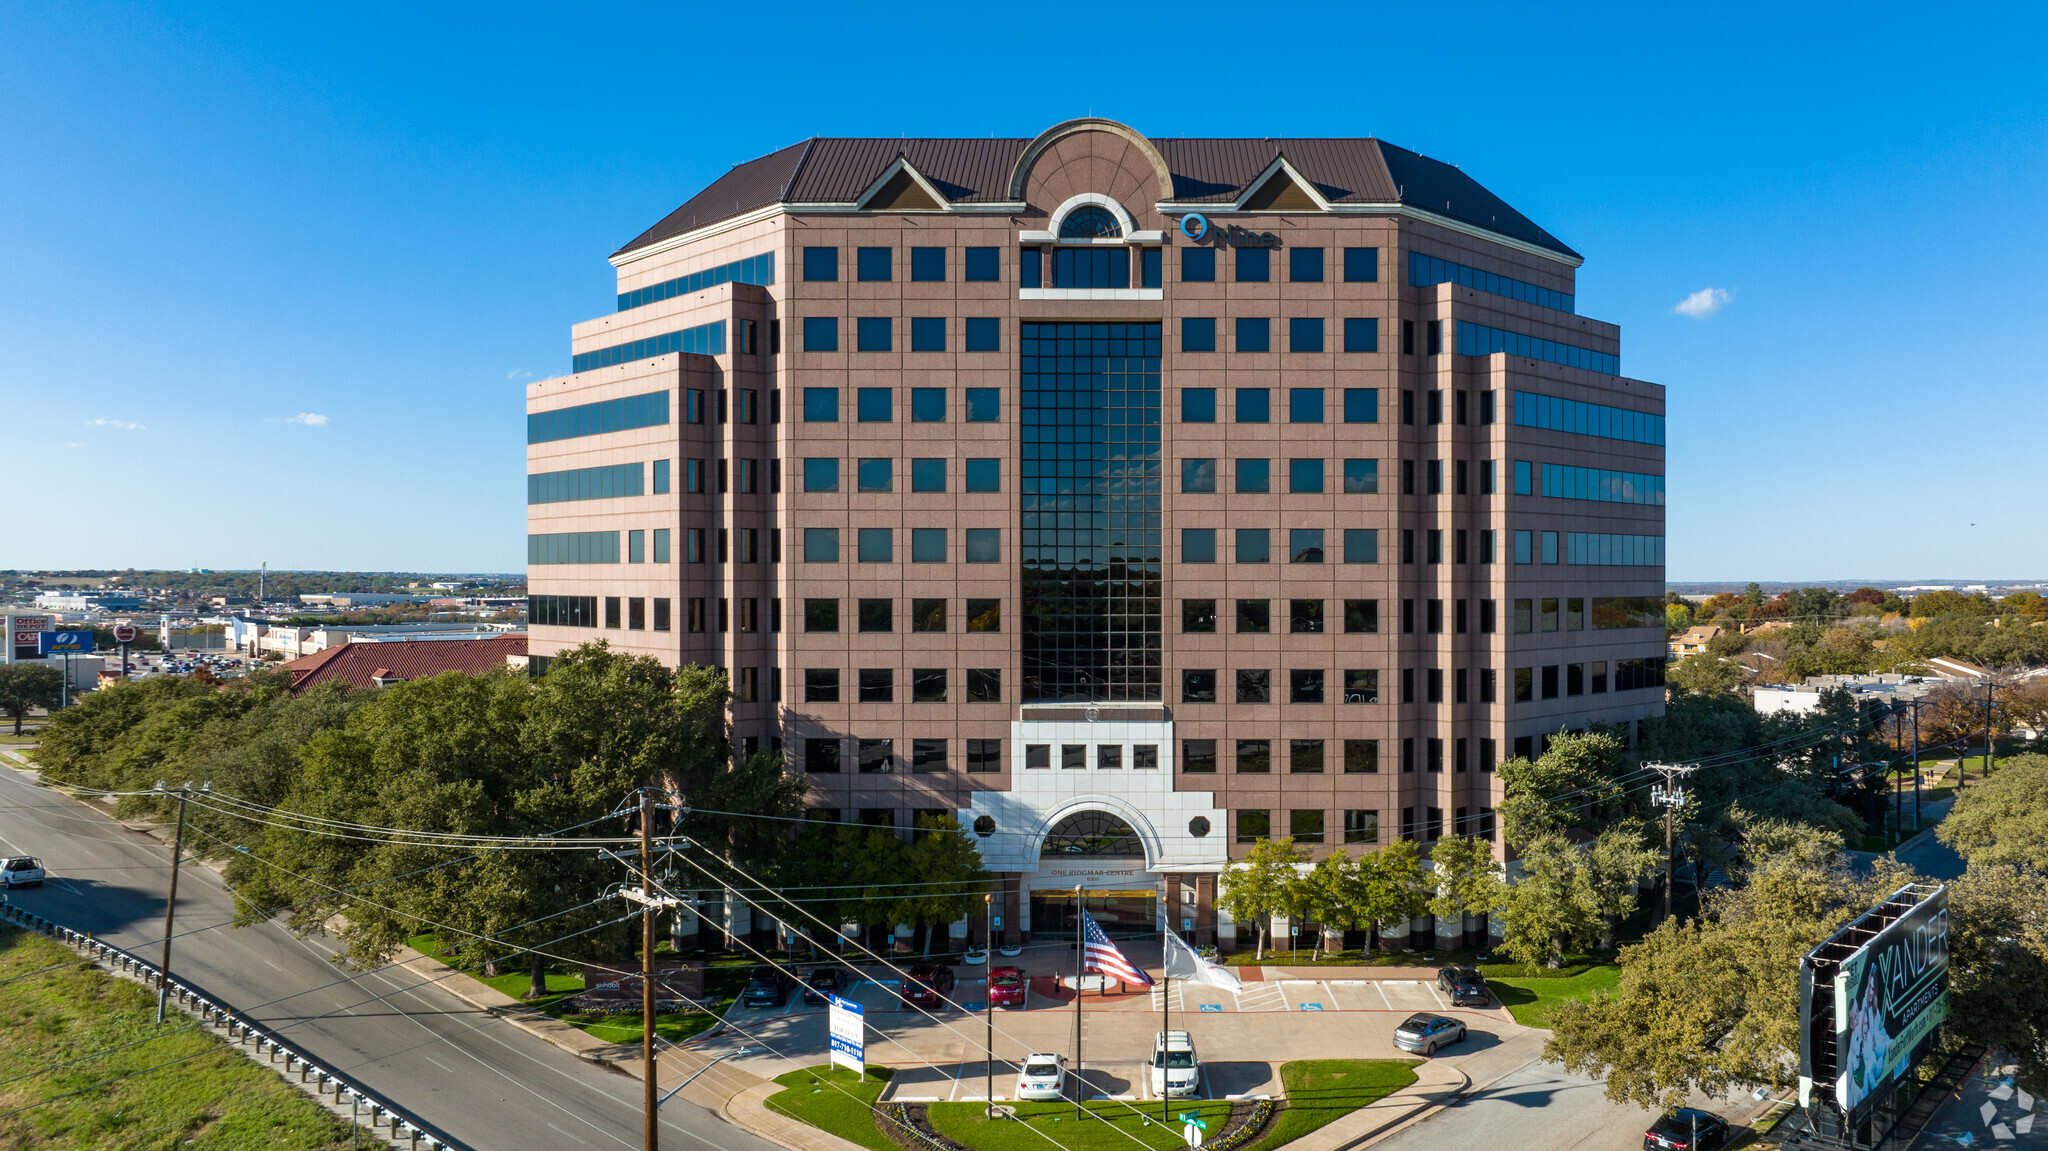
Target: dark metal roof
x=966 y=171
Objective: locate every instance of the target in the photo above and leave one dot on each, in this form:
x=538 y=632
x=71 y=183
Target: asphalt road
x=475 y=1076
x=1539 y=1108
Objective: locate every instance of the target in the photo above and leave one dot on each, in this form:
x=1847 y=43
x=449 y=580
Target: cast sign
x=1197 y=227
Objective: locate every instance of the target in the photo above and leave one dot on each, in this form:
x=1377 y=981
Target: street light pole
x=651 y=1089
x=988 y=969
x=163 y=986
x=1916 y=763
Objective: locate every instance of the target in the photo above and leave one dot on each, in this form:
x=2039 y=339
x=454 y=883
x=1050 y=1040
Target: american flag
x=1099 y=955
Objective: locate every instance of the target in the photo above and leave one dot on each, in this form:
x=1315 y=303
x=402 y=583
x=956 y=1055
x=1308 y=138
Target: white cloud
x=124 y=425
x=74 y=445
x=1703 y=303
x=310 y=419
x=518 y=373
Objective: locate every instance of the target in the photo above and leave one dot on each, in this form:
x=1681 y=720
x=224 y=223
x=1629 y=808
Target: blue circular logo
x=1194 y=226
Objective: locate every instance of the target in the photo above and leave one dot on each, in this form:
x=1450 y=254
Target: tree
x=1677 y=617
x=1998 y=964
x=1547 y=913
x=1266 y=884
x=1929 y=605
x=1328 y=892
x=1753 y=595
x=1573 y=784
x=946 y=866
x=1609 y=870
x=2004 y=819
x=1704 y=673
x=24 y=686
x=1813 y=604
x=1464 y=878
x=1390 y=885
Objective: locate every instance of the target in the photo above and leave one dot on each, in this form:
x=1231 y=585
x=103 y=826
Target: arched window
x=1092 y=833
x=1090 y=222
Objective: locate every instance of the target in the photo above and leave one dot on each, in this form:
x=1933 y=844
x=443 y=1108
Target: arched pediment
x=1053 y=135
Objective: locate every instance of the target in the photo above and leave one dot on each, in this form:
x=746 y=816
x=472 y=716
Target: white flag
x=1183 y=963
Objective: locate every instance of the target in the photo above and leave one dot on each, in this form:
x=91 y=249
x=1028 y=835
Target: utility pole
x=1669 y=796
x=1988 y=755
x=652 y=1092
x=163 y=986
x=1916 y=763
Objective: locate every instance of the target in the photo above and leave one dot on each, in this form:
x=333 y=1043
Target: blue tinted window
x=1305 y=334
x=821 y=545
x=1198 y=405
x=984 y=333
x=1254 y=406
x=821 y=263
x=877 y=475
x=1305 y=405
x=982 y=265
x=1198 y=334
x=1361 y=477
x=1361 y=545
x=1198 y=545
x=1091 y=267
x=573 y=548
x=1597 y=550
x=1254 y=265
x=1254 y=334
x=1198 y=475
x=1480 y=340
x=1149 y=265
x=1361 y=405
x=927 y=264
x=984 y=475
x=875 y=545
x=1304 y=475
x=875 y=264
x=1426 y=270
x=623 y=414
x=1523 y=484
x=821 y=475
x=1255 y=476
x=1305 y=545
x=927 y=545
x=873 y=334
x=703 y=340
x=1305 y=265
x=928 y=475
x=821 y=405
x=984 y=405
x=1549 y=412
x=821 y=334
x=1524 y=549
x=875 y=405
x=661 y=477
x=928 y=333
x=601 y=483
x=1362 y=334
x=1198 y=265
x=984 y=545
x=927 y=405
x=1361 y=265
x=1030 y=268
x=752 y=270
x=1254 y=545
x=1600 y=484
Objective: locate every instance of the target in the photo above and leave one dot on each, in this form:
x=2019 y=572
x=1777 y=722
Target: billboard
x=847 y=1023
x=1869 y=999
x=64 y=642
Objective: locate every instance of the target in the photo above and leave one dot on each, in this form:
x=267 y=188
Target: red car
x=928 y=985
x=1006 y=987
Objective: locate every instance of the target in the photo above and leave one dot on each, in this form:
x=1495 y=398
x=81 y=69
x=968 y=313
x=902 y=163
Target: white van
x=1176 y=1069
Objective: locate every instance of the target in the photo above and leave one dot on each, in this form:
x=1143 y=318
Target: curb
x=748 y=1111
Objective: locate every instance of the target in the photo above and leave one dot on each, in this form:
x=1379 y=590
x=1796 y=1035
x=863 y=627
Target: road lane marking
x=585 y=1142
x=438 y=1063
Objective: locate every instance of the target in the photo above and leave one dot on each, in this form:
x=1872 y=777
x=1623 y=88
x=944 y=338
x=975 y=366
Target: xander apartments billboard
x=1866 y=1009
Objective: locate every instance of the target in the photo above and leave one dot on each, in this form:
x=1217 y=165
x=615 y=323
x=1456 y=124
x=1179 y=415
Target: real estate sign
x=1869 y=999
x=848 y=1027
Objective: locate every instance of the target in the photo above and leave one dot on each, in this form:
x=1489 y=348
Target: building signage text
x=1197 y=227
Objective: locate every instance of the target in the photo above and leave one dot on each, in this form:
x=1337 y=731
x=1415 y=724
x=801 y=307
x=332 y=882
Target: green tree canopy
x=1267 y=883
x=2004 y=819
x=1575 y=783
x=27 y=686
x=1704 y=673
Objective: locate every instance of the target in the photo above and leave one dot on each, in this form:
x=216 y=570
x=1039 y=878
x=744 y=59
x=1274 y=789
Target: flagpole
x=1080 y=960
x=1165 y=1012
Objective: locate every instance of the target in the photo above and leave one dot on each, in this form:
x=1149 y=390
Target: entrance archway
x=1095 y=835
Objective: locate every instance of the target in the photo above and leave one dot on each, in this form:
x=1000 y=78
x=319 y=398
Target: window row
x=979 y=474
x=878 y=685
x=1569 y=483
x=612 y=482
x=927 y=545
x=879 y=615
x=1481 y=340
x=1309 y=406
x=1360 y=545
x=927 y=334
x=1589 y=549
x=1353 y=685
x=1423 y=271
x=1580 y=418
x=1587 y=678
x=927 y=405
x=1571 y=614
x=752 y=270
x=1360 y=616
x=927 y=264
x=1348 y=756
x=1304 y=265
x=1420 y=824
x=623 y=414
x=742 y=545
x=1089 y=267
x=1304 y=334
x=703 y=340
x=826 y=756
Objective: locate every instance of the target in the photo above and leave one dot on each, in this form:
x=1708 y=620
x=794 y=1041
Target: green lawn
x=1243 y=957
x=833 y=1099
x=188 y=1089
x=564 y=980
x=1320 y=1091
x=1110 y=1126
x=1531 y=1000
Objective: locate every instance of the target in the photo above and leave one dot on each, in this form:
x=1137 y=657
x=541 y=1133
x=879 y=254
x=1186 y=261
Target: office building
x=1126 y=499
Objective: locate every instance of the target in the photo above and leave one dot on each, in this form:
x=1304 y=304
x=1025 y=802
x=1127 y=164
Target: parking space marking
x=1441 y=1005
x=1383 y=995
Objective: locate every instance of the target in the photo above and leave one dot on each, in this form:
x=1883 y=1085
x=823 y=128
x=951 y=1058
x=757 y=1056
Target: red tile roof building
x=382 y=664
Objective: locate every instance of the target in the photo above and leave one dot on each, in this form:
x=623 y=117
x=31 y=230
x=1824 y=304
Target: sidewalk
x=748 y=1110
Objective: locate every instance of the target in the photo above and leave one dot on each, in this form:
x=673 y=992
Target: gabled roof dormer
x=902 y=188
x=1280 y=188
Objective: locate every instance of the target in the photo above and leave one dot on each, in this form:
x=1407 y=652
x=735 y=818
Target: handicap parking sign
x=1311 y=1007
x=1212 y=1007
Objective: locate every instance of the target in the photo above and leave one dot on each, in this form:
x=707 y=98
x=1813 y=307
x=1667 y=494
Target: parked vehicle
x=1423 y=1033
x=1464 y=986
x=21 y=871
x=1176 y=1069
x=766 y=987
x=1043 y=1077
x=819 y=983
x=1686 y=1129
x=1006 y=987
x=928 y=985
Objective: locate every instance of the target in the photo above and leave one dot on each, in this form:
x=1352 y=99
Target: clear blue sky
x=271 y=278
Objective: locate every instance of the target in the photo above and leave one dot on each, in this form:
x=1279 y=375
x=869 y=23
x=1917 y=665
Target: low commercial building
x=88 y=601
x=1801 y=699
x=370 y=663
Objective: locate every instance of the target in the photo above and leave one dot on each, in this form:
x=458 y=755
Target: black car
x=766 y=987
x=1686 y=1129
x=1464 y=986
x=819 y=983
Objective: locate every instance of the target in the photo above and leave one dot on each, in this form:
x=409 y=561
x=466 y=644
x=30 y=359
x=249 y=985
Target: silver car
x=1043 y=1077
x=1424 y=1033
x=20 y=871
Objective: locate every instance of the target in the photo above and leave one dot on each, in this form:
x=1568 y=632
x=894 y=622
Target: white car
x=1176 y=1069
x=1043 y=1077
x=20 y=871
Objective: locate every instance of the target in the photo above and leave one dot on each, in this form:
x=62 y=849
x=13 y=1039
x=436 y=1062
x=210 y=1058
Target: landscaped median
x=1533 y=994
x=1318 y=1093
